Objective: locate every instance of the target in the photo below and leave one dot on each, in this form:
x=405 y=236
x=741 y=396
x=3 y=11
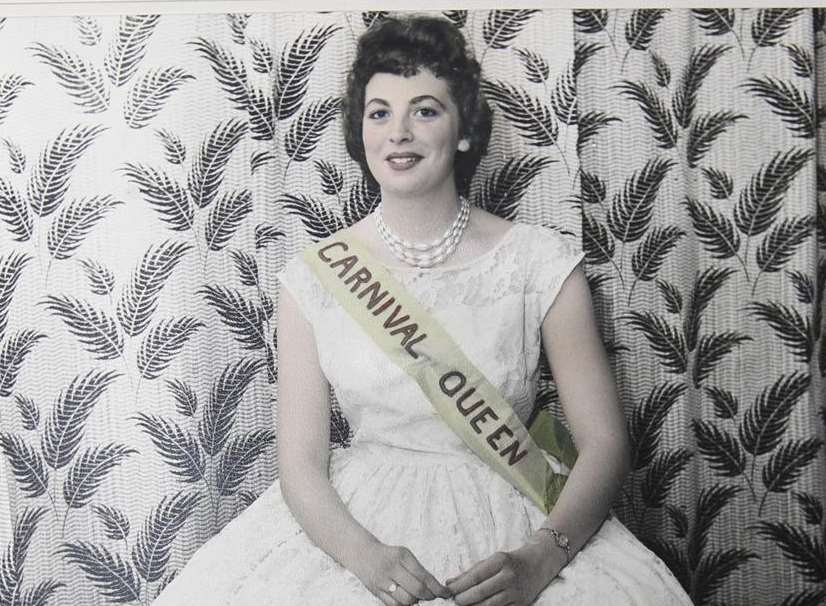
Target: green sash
x=470 y=405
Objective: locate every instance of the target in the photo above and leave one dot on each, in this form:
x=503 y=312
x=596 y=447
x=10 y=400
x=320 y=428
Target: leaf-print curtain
x=703 y=226
x=156 y=171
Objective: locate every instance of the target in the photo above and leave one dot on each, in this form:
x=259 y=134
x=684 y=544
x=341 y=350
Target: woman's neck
x=420 y=219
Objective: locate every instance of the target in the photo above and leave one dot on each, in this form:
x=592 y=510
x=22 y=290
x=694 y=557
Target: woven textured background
x=156 y=172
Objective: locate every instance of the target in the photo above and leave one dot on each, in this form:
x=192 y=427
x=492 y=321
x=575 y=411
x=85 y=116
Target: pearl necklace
x=426 y=254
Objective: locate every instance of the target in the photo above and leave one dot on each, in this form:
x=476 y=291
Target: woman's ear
x=463 y=145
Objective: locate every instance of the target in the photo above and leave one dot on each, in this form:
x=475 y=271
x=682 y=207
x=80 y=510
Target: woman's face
x=410 y=130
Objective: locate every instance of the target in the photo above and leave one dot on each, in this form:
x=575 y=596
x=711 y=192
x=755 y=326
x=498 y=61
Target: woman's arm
x=303 y=458
x=589 y=399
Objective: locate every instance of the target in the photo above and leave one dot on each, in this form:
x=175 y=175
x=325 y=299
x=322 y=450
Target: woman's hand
x=384 y=567
x=509 y=578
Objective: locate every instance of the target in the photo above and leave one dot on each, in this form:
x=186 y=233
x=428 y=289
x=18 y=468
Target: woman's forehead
x=387 y=86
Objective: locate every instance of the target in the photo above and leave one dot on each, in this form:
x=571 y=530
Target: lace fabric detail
x=529 y=260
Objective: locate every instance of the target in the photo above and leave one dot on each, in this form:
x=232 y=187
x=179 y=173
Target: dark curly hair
x=402 y=46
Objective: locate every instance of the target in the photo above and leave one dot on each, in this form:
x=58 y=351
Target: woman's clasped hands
x=507 y=578
x=394 y=575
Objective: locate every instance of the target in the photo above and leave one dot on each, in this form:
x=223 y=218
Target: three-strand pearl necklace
x=425 y=255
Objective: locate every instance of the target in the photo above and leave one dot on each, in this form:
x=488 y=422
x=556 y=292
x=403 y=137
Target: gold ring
x=393 y=587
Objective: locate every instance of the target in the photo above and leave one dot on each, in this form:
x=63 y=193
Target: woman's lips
x=402 y=161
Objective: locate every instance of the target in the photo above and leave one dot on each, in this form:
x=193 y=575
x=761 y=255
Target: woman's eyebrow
x=413 y=101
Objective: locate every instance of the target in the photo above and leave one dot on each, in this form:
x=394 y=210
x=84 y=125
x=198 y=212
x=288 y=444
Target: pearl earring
x=463 y=145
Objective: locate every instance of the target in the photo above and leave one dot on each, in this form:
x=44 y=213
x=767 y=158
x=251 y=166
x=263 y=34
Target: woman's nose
x=400 y=129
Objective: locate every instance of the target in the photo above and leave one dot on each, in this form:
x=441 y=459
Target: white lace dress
x=407 y=477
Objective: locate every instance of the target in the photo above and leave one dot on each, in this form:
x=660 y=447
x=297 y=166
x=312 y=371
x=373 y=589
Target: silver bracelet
x=560 y=539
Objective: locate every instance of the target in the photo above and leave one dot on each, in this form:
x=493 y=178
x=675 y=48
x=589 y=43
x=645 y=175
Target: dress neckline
x=469 y=263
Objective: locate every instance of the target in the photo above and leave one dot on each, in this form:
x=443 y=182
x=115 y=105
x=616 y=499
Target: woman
x=409 y=513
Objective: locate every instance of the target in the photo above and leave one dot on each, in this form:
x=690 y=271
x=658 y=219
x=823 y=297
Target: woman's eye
x=377 y=114
x=427 y=112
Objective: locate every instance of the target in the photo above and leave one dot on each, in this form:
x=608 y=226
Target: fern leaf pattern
x=807 y=553
x=74 y=222
x=771 y=24
x=238 y=26
x=794 y=107
x=163 y=342
x=115 y=523
x=662 y=474
x=228 y=70
x=668 y=343
x=788 y=462
x=361 y=201
x=209 y=164
x=152 y=548
x=17 y=158
x=239 y=457
x=641 y=26
x=101 y=278
x=760 y=201
x=26 y=464
x=263 y=59
x=536 y=67
x=704 y=132
x=505 y=186
x=700 y=62
x=765 y=422
x=503 y=26
x=651 y=253
x=64 y=428
x=166 y=196
x=793 y=329
x=128 y=47
x=29 y=412
x=720 y=182
x=50 y=179
x=306 y=130
x=532 y=118
x=89 y=30
x=242 y=316
x=81 y=79
x=93 y=327
x=782 y=242
x=646 y=421
x=173 y=147
x=711 y=349
x=225 y=218
x=589 y=21
x=715 y=21
x=178 y=448
x=88 y=471
x=318 y=220
x=15 y=212
x=11 y=85
x=589 y=125
x=11 y=270
x=247 y=267
x=16 y=347
x=630 y=214
x=719 y=448
x=655 y=111
x=802 y=60
x=224 y=398
x=296 y=67
x=186 y=400
x=114 y=577
x=715 y=231
x=139 y=299
x=147 y=97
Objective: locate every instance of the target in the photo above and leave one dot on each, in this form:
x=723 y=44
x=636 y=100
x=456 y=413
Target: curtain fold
x=157 y=171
